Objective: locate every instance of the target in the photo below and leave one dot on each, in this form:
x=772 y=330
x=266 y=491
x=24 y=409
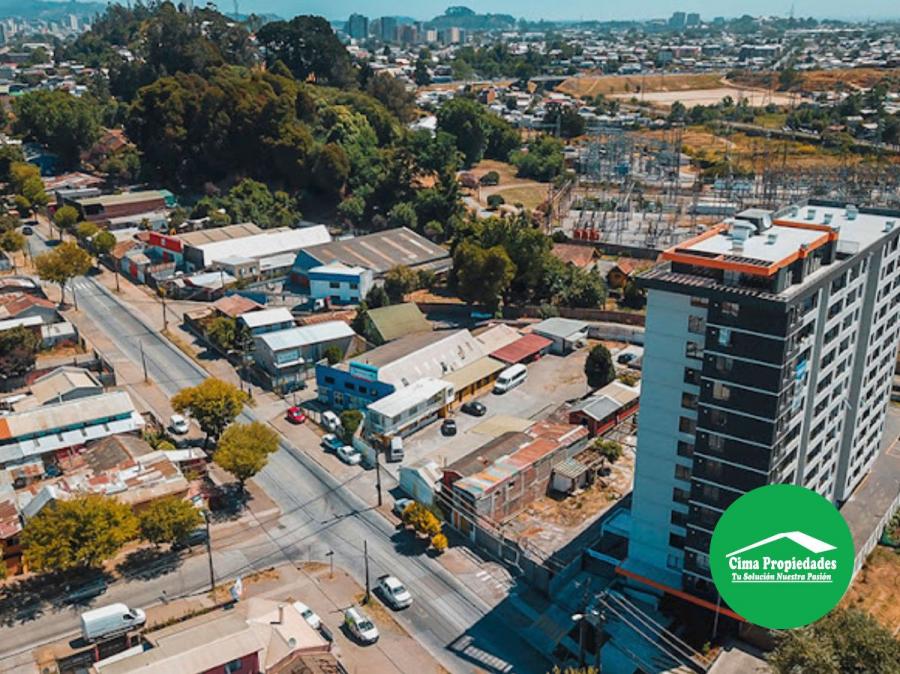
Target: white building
x=339 y=283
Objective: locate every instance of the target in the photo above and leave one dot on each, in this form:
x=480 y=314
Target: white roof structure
x=61 y=381
x=264 y=245
x=337 y=269
x=306 y=335
x=406 y=398
x=435 y=360
x=26 y=322
x=260 y=319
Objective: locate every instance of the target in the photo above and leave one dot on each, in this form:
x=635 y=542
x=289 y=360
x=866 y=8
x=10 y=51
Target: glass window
x=724 y=337
x=693 y=350
x=731 y=309
x=686 y=425
x=718 y=418
x=689 y=401
x=696 y=324
x=721 y=392
x=724 y=364
x=682 y=472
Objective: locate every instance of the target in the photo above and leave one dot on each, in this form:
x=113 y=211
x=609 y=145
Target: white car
x=178 y=424
x=310 y=616
x=394 y=592
x=360 y=625
x=349 y=455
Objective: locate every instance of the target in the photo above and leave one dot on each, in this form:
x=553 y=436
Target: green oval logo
x=781 y=556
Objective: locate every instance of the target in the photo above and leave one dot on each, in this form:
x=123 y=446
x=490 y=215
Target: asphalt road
x=459 y=628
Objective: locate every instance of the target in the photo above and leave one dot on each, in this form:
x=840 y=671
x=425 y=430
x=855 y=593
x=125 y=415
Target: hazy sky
x=573 y=9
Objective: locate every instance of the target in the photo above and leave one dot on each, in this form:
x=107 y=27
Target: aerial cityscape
x=337 y=339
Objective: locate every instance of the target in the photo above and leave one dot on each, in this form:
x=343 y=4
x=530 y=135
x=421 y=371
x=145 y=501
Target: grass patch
x=530 y=196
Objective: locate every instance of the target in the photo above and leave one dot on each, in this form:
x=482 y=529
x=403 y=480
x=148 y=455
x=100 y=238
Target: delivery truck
x=110 y=621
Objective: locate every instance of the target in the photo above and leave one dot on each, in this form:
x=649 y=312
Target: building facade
x=769 y=354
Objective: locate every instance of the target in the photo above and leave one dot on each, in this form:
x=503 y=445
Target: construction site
x=637 y=195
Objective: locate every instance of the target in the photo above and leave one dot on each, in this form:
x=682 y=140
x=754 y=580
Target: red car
x=296 y=415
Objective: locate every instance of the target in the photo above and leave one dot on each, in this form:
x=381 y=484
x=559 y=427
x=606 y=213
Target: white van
x=510 y=378
x=109 y=621
x=330 y=421
x=360 y=625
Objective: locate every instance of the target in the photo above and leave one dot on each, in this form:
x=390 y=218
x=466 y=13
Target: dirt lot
x=877 y=588
x=706 y=96
x=825 y=80
x=609 y=85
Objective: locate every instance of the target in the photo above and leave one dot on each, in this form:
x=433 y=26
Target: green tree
x=223 y=331
x=12 y=242
x=103 y=242
x=333 y=354
x=9 y=155
x=67 y=124
x=633 y=295
x=81 y=532
x=464 y=119
x=350 y=421
x=543 y=160
x=403 y=214
x=332 y=169
x=61 y=264
x=599 y=367
x=244 y=449
x=483 y=275
x=567 y=119
x=168 y=520
x=846 y=640
x=18 y=348
x=609 y=449
x=252 y=201
x=400 y=281
x=309 y=48
x=86 y=230
x=421 y=75
x=394 y=95
x=352 y=209
x=213 y=403
x=66 y=218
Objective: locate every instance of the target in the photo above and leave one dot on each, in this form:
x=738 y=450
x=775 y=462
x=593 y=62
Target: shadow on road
x=149 y=563
x=28 y=599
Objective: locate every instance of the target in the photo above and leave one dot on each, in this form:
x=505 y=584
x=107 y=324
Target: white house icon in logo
x=814 y=545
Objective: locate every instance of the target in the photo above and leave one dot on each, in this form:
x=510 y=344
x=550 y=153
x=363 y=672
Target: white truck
x=110 y=621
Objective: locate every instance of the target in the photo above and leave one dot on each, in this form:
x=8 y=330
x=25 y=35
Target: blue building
x=339 y=283
x=351 y=387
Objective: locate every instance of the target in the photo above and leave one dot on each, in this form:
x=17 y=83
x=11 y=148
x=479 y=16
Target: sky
x=574 y=9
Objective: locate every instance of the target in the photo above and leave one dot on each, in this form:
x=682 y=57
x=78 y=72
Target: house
x=506 y=474
x=254 y=636
x=20 y=284
x=420 y=480
x=525 y=349
x=339 y=283
x=268 y=320
x=582 y=257
x=621 y=273
x=23 y=305
x=385 y=324
x=285 y=357
x=408 y=409
x=606 y=408
x=53 y=431
x=377 y=252
x=474 y=378
x=103 y=208
x=57 y=334
x=64 y=384
x=232 y=306
x=566 y=334
x=33 y=323
x=10 y=530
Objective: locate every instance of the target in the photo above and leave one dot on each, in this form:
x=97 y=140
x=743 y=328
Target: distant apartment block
x=358 y=27
x=770 y=349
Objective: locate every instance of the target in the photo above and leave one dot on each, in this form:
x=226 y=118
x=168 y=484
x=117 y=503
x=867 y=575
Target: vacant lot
x=824 y=80
x=610 y=85
x=877 y=588
x=529 y=193
x=692 y=97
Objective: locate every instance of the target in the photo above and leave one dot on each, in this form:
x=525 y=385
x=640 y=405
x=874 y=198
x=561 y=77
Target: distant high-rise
x=408 y=34
x=388 y=29
x=358 y=26
x=677 y=20
x=693 y=19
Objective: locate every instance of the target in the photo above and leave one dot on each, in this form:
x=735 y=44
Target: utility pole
x=378 y=475
x=162 y=297
x=212 y=573
x=366 y=554
x=144 y=365
x=330 y=555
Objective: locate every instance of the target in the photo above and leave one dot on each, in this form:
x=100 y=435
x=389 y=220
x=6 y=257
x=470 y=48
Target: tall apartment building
x=358 y=27
x=769 y=354
x=388 y=29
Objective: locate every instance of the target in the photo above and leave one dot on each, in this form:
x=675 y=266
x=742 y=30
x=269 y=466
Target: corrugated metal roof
x=306 y=335
x=398 y=320
x=380 y=251
x=560 y=327
x=473 y=372
x=257 y=319
x=524 y=347
x=406 y=398
x=61 y=381
x=265 y=244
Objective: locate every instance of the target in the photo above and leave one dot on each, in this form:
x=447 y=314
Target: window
x=682 y=472
x=689 y=401
x=673 y=562
x=696 y=324
x=693 y=350
x=724 y=337
x=354 y=286
x=686 y=425
x=329 y=380
x=680 y=495
x=731 y=309
x=724 y=364
x=676 y=541
x=679 y=518
x=721 y=392
x=334 y=284
x=234 y=666
x=710 y=493
x=716 y=443
x=691 y=376
x=718 y=418
x=699 y=302
x=685 y=448
x=702 y=561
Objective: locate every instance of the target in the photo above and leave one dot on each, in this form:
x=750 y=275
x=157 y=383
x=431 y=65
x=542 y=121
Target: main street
x=319 y=516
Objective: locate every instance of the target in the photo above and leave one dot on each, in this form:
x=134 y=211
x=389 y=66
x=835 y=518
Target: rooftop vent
x=851 y=212
x=811 y=214
x=794 y=211
x=741 y=230
x=771 y=238
x=828 y=218
x=889 y=225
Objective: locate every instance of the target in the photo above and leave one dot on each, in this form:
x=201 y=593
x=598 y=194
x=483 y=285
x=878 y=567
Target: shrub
x=439 y=542
x=490 y=178
x=608 y=449
x=495 y=201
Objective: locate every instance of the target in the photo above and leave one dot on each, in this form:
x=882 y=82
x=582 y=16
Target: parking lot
x=551 y=381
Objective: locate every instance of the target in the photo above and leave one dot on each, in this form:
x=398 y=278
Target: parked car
x=475 y=408
x=178 y=424
x=360 y=625
x=332 y=442
x=108 y=621
x=394 y=592
x=79 y=594
x=295 y=415
x=311 y=617
x=27 y=231
x=196 y=537
x=448 y=427
x=349 y=455
x=330 y=421
x=625 y=358
x=400 y=505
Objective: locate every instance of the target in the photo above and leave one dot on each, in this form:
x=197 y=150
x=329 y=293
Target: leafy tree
x=21 y=172
x=543 y=160
x=599 y=367
x=495 y=201
x=103 y=242
x=244 y=449
x=223 y=332
x=333 y=354
x=65 y=218
x=9 y=155
x=421 y=75
x=81 y=532
x=569 y=122
x=350 y=421
x=394 y=95
x=677 y=113
x=18 y=347
x=421 y=519
x=85 y=230
x=377 y=298
x=403 y=214
x=846 y=640
x=332 y=169
x=309 y=48
x=609 y=449
x=482 y=274
x=490 y=178
x=251 y=201
x=464 y=119
x=62 y=264
x=213 y=403
x=168 y=520
x=633 y=295
x=399 y=281
x=12 y=241
x=67 y=124
x=788 y=78
x=434 y=230
x=440 y=543
x=352 y=209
